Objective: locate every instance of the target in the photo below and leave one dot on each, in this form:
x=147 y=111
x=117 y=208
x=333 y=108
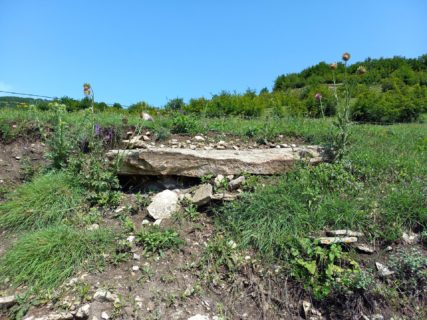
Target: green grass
x=45 y=258
x=380 y=190
x=46 y=200
x=156 y=240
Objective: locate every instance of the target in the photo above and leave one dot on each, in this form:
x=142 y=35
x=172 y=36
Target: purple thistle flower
x=97 y=130
x=318 y=96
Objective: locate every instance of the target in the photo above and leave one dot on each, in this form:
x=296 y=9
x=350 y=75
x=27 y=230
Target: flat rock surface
x=198 y=163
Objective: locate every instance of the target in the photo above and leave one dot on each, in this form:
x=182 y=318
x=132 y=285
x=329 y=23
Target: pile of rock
x=167 y=202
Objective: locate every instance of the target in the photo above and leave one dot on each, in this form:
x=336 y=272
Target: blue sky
x=158 y=50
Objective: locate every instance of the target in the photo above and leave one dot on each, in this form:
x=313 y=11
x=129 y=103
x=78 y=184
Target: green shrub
x=388 y=107
x=184 y=124
x=45 y=258
x=410 y=267
x=155 y=240
x=98 y=178
x=46 y=200
x=323 y=268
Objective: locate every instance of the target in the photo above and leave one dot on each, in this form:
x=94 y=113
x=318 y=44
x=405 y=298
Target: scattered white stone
x=331 y=240
x=119 y=209
x=92 y=227
x=389 y=248
x=163 y=205
x=146 y=117
x=105 y=316
x=218 y=180
x=310 y=312
x=199 y=317
x=202 y=195
x=347 y=233
x=236 y=183
x=383 y=270
x=199 y=138
x=8 y=301
x=18 y=158
x=135 y=268
x=192 y=147
x=130 y=239
x=157 y=222
x=102 y=295
x=136 y=257
x=145 y=222
x=365 y=248
x=410 y=237
x=146 y=138
x=222 y=143
x=83 y=311
x=53 y=316
x=235 y=147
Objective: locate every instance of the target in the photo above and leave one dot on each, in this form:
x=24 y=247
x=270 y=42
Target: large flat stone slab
x=198 y=163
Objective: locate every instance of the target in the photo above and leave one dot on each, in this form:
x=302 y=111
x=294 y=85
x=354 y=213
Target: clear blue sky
x=157 y=50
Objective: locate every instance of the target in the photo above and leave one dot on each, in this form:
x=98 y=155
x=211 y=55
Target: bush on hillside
x=389 y=107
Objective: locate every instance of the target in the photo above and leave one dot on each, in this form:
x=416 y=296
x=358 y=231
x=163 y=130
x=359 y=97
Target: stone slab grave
x=198 y=163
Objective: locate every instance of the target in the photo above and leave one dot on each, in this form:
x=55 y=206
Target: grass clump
x=46 y=200
x=45 y=258
x=156 y=240
x=299 y=203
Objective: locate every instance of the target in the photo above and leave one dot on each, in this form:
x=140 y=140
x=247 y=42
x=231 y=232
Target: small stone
x=236 y=183
x=135 y=268
x=222 y=143
x=83 y=311
x=145 y=222
x=331 y=240
x=383 y=270
x=389 y=248
x=192 y=147
x=92 y=227
x=119 y=209
x=148 y=133
x=130 y=239
x=105 y=316
x=347 y=233
x=199 y=138
x=8 y=301
x=146 y=138
x=18 y=158
x=377 y=317
x=220 y=147
x=202 y=195
x=365 y=248
x=410 y=237
x=235 y=147
x=146 y=117
x=218 y=180
x=293 y=145
x=284 y=145
x=157 y=222
x=199 y=317
x=104 y=295
x=163 y=205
